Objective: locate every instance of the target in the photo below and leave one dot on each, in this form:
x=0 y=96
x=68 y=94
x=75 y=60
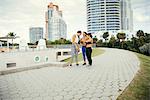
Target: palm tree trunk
x=12 y=44
x=113 y=44
x=122 y=44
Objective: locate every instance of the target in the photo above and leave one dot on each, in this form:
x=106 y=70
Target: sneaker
x=84 y=64
x=77 y=64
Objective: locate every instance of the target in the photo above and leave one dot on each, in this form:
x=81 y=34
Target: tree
x=30 y=43
x=36 y=43
x=140 y=33
x=145 y=49
x=147 y=37
x=134 y=44
x=12 y=35
x=141 y=41
x=68 y=42
x=99 y=43
x=121 y=36
x=57 y=42
x=62 y=40
x=112 y=41
x=105 y=35
x=141 y=38
x=95 y=39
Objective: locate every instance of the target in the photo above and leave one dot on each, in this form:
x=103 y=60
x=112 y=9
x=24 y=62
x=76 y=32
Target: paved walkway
x=105 y=80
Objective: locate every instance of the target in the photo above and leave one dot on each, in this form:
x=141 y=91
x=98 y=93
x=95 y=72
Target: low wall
x=27 y=58
x=63 y=54
x=24 y=59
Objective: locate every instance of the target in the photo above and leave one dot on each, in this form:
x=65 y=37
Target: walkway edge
x=21 y=69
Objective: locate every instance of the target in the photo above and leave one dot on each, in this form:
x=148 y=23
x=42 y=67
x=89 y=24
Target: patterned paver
x=105 y=80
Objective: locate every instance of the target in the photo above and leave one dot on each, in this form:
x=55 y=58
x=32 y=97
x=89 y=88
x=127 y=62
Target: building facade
x=56 y=27
x=109 y=15
x=36 y=33
x=126 y=15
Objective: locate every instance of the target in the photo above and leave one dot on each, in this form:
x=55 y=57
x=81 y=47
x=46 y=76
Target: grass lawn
x=139 y=89
x=95 y=52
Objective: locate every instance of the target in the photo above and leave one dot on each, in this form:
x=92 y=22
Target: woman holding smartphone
x=83 y=44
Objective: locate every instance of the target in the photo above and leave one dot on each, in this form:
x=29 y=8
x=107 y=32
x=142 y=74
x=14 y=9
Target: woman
x=75 y=47
x=83 y=44
x=89 y=43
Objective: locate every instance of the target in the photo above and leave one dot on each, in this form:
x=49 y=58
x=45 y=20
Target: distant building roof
x=3 y=41
x=10 y=37
x=7 y=37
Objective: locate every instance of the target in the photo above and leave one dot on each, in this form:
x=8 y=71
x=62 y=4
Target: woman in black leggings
x=89 y=43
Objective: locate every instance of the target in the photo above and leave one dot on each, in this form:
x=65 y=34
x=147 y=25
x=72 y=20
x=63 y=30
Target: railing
x=59 y=46
x=32 y=48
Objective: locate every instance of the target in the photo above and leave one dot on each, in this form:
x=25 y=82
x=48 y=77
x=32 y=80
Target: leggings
x=74 y=54
x=84 y=53
x=88 y=54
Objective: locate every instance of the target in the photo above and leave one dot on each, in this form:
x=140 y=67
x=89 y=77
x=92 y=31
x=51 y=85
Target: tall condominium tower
x=35 y=33
x=107 y=15
x=126 y=15
x=56 y=27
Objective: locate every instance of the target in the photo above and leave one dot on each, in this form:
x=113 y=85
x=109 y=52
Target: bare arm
x=89 y=42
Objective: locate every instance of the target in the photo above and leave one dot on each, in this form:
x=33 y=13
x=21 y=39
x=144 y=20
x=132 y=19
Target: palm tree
x=62 y=40
x=121 y=36
x=105 y=35
x=140 y=33
x=12 y=36
x=147 y=37
x=112 y=41
x=141 y=37
x=95 y=39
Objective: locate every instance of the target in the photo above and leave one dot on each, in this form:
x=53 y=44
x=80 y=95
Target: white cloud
x=142 y=18
x=18 y=16
x=141 y=13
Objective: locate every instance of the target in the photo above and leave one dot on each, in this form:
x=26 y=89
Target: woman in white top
x=75 y=48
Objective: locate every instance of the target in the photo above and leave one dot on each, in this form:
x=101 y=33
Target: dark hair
x=89 y=34
x=79 y=32
x=85 y=33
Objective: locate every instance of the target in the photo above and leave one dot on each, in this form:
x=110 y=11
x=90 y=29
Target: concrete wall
x=29 y=58
x=63 y=54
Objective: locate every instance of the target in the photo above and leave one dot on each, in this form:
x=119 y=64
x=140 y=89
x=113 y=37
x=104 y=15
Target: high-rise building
x=126 y=15
x=109 y=15
x=36 y=33
x=56 y=27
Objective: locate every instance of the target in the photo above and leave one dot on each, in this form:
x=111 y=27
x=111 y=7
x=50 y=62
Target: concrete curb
x=38 y=66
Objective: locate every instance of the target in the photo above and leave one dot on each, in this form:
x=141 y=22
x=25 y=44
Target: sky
x=19 y=15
